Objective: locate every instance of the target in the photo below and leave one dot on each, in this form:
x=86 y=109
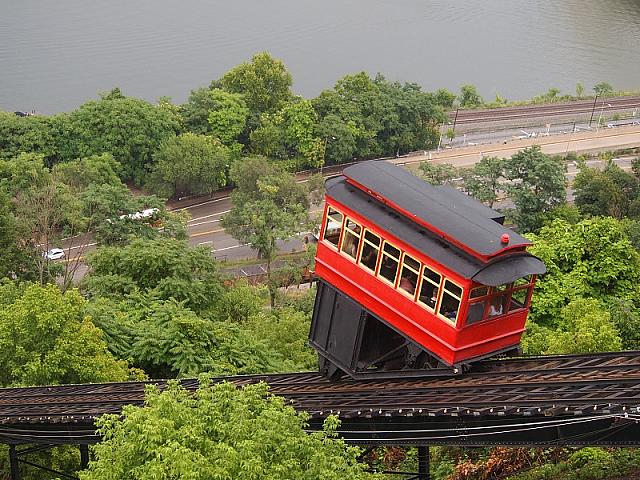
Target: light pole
x=600 y=117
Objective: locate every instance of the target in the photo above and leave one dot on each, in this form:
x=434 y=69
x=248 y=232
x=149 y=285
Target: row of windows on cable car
x=416 y=280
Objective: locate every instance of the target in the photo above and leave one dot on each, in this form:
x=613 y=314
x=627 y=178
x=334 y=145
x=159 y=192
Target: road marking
x=205 y=243
x=206 y=233
x=208 y=216
x=203 y=203
x=81 y=246
x=203 y=223
x=229 y=248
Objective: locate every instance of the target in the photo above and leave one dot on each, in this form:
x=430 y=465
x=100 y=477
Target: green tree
x=221 y=431
x=228 y=117
x=197 y=109
x=265 y=83
x=584 y=326
x=381 y=117
x=469 y=96
x=163 y=267
x=611 y=191
x=45 y=339
x=80 y=173
x=484 y=180
x=267 y=205
x=438 y=173
x=603 y=89
x=579 y=89
x=591 y=259
x=189 y=165
x=32 y=134
x=538 y=185
x=128 y=128
x=289 y=134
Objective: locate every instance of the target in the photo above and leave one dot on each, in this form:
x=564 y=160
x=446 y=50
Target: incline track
x=522 y=386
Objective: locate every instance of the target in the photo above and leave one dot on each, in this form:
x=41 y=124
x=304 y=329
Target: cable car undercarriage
x=350 y=339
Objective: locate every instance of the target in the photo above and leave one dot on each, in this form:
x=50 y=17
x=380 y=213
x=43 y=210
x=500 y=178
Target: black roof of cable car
x=388 y=220
x=457 y=215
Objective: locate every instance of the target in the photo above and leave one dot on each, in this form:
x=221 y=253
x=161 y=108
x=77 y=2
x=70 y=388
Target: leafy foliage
x=611 y=191
x=591 y=259
x=128 y=128
x=163 y=267
x=267 y=205
x=438 y=173
x=584 y=326
x=189 y=165
x=45 y=339
x=378 y=117
x=219 y=432
x=265 y=83
x=484 y=181
x=538 y=185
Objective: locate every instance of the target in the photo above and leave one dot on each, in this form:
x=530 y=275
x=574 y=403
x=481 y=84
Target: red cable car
x=414 y=278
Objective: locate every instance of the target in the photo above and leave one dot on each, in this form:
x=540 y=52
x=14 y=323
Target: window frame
x=343 y=236
x=381 y=258
x=444 y=290
x=324 y=227
x=377 y=248
x=419 y=289
x=399 y=275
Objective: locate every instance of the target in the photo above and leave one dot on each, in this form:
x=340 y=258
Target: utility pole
x=423 y=464
x=455 y=119
x=593 y=109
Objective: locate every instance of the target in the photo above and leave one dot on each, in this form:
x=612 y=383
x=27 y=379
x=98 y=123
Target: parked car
x=54 y=254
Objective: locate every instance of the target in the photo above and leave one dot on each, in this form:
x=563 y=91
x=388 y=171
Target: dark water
x=54 y=55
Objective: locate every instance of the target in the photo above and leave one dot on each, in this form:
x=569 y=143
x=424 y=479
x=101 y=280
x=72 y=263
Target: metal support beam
x=13 y=460
x=84 y=456
x=423 y=463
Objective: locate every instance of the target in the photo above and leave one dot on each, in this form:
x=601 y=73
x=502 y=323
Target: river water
x=55 y=55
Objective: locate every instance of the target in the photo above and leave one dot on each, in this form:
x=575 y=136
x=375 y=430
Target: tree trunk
x=272 y=288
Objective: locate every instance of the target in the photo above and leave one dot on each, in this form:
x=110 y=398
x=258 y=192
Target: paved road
x=204 y=227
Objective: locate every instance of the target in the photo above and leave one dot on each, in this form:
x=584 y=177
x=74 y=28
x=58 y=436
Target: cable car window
x=479 y=292
x=520 y=297
x=476 y=311
x=333 y=227
x=430 y=288
x=370 y=250
x=389 y=263
x=351 y=238
x=409 y=275
x=450 y=303
x=498 y=305
x=523 y=281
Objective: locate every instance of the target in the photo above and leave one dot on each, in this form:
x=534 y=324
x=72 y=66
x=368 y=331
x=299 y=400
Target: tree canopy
x=264 y=82
x=538 y=185
x=189 y=164
x=128 y=128
x=220 y=431
x=45 y=339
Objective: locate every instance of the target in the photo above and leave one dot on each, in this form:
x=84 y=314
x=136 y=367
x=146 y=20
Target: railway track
x=547 y=110
x=523 y=386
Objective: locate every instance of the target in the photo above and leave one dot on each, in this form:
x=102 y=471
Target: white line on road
x=203 y=203
x=208 y=216
x=202 y=223
x=229 y=248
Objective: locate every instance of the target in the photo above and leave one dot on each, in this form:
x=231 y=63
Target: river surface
x=55 y=55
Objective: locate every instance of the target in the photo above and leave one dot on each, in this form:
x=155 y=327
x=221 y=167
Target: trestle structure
x=563 y=400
